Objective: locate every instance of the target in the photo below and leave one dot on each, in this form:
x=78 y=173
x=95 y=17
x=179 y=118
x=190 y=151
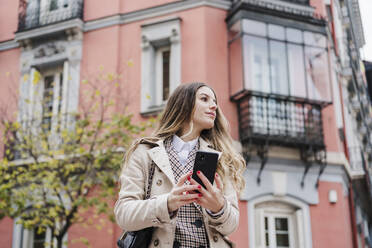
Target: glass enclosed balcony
x=38 y=13
x=279 y=77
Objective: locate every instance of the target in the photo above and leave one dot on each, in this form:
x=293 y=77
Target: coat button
x=215 y=238
x=159 y=182
x=156 y=242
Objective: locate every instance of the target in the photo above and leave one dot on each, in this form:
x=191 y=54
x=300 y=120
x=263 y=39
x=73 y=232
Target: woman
x=183 y=213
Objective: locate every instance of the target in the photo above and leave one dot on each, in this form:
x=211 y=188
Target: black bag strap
x=149 y=181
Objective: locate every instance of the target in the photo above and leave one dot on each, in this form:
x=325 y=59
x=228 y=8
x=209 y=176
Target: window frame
x=24 y=238
x=248 y=32
x=302 y=222
x=157 y=36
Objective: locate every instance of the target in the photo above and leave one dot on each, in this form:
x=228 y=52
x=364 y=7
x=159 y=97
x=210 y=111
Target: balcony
x=356 y=161
x=280 y=120
x=36 y=14
x=303 y=2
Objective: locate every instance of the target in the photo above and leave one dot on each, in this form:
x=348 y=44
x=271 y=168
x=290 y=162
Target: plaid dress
x=190 y=229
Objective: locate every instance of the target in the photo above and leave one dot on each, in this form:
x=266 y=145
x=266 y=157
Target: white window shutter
x=65 y=87
x=65 y=94
x=56 y=102
x=159 y=77
x=24 y=94
x=259 y=228
x=35 y=106
x=300 y=228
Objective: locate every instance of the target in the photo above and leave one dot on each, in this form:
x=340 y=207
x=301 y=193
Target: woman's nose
x=213 y=106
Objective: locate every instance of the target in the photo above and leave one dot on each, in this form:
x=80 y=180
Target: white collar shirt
x=183 y=148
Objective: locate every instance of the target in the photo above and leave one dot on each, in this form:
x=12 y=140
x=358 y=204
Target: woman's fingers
x=205 y=180
x=183 y=179
x=185 y=188
x=218 y=181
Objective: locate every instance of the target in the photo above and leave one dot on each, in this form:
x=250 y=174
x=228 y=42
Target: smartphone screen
x=205 y=162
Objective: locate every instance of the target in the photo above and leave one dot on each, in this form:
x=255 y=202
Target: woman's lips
x=211 y=114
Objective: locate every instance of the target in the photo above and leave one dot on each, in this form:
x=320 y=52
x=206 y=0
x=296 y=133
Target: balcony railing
x=33 y=15
x=356 y=161
x=302 y=2
x=280 y=120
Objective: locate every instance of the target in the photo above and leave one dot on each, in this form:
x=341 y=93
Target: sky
x=366 y=10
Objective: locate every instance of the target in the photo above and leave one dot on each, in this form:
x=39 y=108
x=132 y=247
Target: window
x=276 y=223
x=39 y=239
x=52 y=100
x=47 y=97
x=285 y=61
x=31 y=238
x=279 y=222
x=54 y=10
x=161 y=63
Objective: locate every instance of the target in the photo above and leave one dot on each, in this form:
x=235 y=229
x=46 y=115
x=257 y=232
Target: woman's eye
x=204 y=99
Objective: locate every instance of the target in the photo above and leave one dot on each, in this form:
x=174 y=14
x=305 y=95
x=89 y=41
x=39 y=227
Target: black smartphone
x=205 y=162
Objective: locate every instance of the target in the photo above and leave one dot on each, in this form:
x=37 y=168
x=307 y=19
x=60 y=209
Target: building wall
x=331 y=222
x=204 y=57
x=6 y=232
x=8 y=19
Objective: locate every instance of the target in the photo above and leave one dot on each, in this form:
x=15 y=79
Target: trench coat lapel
x=159 y=155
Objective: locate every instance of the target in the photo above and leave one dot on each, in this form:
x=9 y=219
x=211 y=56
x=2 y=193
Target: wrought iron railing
x=33 y=15
x=280 y=120
x=302 y=2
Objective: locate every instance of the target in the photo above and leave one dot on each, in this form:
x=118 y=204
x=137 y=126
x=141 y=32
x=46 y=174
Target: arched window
x=279 y=222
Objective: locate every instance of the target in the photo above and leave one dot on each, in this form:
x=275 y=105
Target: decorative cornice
x=10 y=44
x=154 y=12
x=114 y=20
x=50 y=29
x=282 y=6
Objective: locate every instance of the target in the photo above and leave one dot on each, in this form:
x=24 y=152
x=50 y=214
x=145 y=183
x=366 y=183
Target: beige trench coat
x=133 y=213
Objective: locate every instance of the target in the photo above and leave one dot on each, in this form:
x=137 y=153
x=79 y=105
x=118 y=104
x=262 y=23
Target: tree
x=47 y=175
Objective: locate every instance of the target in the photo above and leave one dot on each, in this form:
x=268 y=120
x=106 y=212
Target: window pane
x=315 y=39
x=317 y=73
x=48 y=102
x=254 y=27
x=60 y=92
x=166 y=56
x=281 y=229
x=278 y=68
x=282 y=240
x=276 y=32
x=296 y=68
x=281 y=224
x=53 y=5
x=294 y=35
x=266 y=232
x=39 y=239
x=256 y=66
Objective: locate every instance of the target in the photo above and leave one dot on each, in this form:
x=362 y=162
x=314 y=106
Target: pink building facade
x=275 y=68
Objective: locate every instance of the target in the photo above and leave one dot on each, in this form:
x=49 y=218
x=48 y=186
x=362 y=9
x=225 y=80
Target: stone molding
x=112 y=20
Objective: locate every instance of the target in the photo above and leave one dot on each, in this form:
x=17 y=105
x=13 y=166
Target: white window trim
x=271 y=223
x=159 y=31
x=23 y=238
x=303 y=221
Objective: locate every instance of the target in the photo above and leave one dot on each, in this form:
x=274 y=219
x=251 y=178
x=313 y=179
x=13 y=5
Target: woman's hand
x=182 y=194
x=210 y=197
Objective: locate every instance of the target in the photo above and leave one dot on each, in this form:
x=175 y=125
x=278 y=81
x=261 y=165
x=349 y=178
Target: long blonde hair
x=179 y=111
